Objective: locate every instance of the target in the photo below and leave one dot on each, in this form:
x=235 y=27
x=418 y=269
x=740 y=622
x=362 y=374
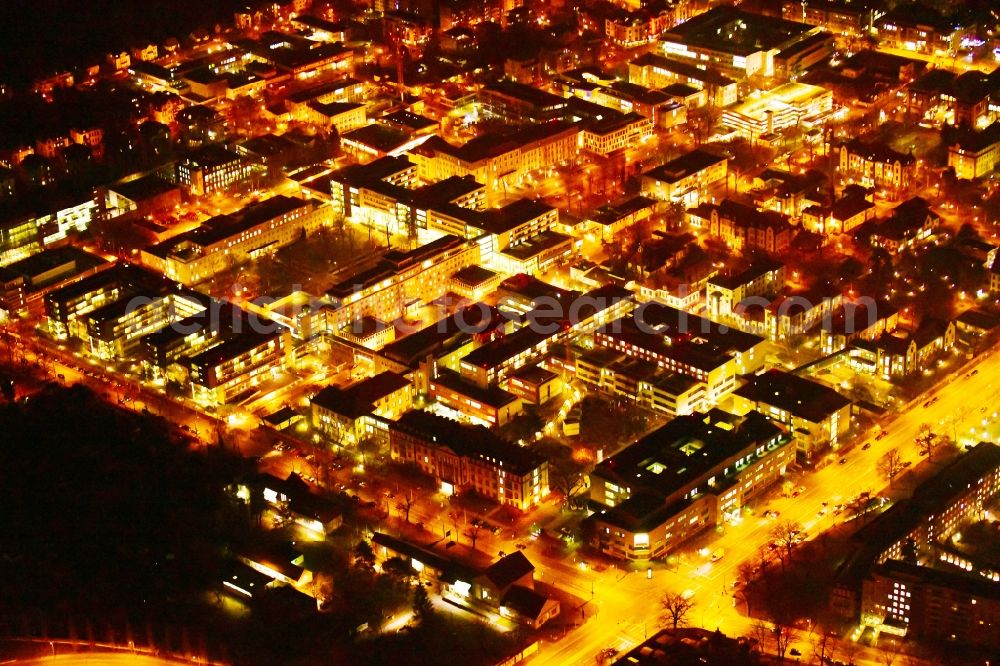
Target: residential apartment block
x=684 y=178
x=234 y=369
x=876 y=165
x=677 y=341
x=498 y=160
x=642 y=382
x=464 y=458
x=904 y=550
x=346 y=415
x=976 y=154
x=226 y=241
x=817 y=414
x=397 y=280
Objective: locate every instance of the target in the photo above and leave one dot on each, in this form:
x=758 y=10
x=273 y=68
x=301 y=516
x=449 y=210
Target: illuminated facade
x=211 y=170
x=638 y=381
x=237 y=367
x=725 y=292
x=734 y=41
x=491 y=406
x=918 y=28
x=685 y=178
x=923 y=603
x=345 y=416
x=656 y=71
x=339 y=116
x=957 y=495
x=976 y=154
x=384 y=290
x=838 y=16
x=115 y=330
x=498 y=160
x=695 y=472
x=19 y=239
x=226 y=241
x=617 y=133
x=743 y=227
x=774 y=110
x=464 y=458
x=676 y=341
x=612 y=219
x=818 y=415
x=876 y=165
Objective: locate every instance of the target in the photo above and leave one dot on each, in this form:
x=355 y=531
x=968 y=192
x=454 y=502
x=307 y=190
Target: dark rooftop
x=735 y=31
x=474 y=275
x=683 y=166
x=232 y=348
x=143 y=188
x=491 y=397
x=509 y=569
x=686 y=449
x=611 y=213
x=445 y=335
x=359 y=399
x=796 y=395
x=680 y=68
x=879 y=152
x=525 y=93
x=380 y=137
x=500 y=350
x=211 y=156
x=494 y=144
x=221 y=227
x=472 y=441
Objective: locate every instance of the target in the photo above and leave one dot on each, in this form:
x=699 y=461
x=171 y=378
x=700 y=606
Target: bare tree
x=760 y=631
x=890 y=465
x=676 y=608
x=404 y=505
x=474 y=533
x=927 y=441
x=763 y=559
x=850 y=649
x=823 y=646
x=786 y=535
x=782 y=637
x=888 y=652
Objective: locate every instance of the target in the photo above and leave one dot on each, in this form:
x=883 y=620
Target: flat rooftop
x=358 y=399
x=232 y=348
x=684 y=166
x=221 y=227
x=735 y=31
x=491 y=397
x=794 y=95
x=685 y=449
x=141 y=189
x=380 y=137
x=495 y=144
x=444 y=335
x=796 y=395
